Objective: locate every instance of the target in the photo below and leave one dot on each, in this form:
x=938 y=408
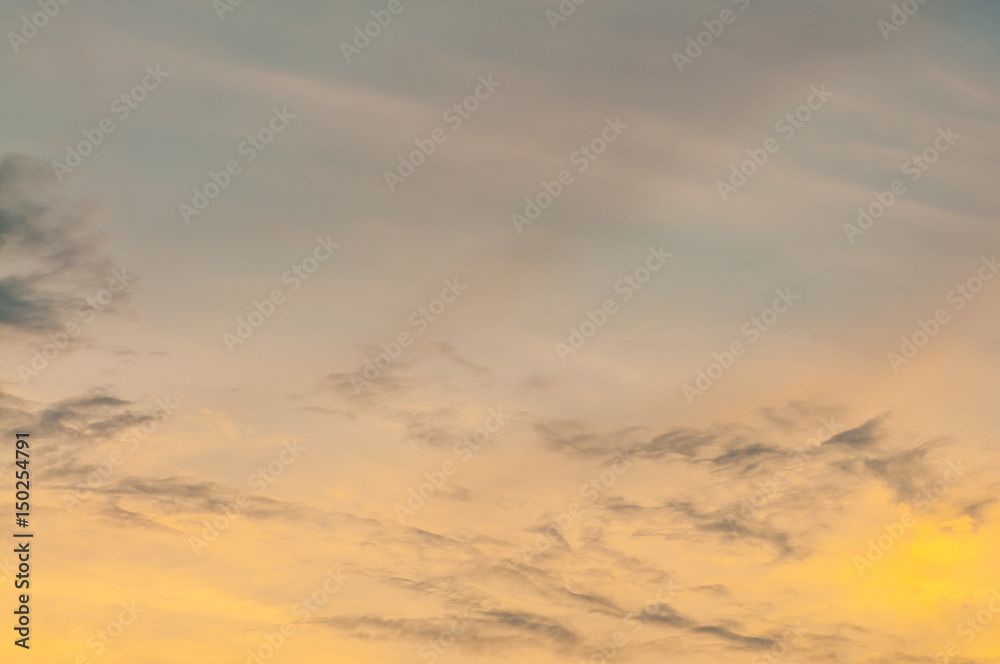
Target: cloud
x=50 y=260
x=481 y=631
x=85 y=420
x=863 y=436
x=905 y=472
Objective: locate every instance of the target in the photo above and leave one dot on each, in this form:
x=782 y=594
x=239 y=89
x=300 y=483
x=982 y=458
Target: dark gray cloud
x=573 y=438
x=51 y=260
x=481 y=631
x=860 y=437
x=450 y=351
x=749 y=457
x=906 y=472
x=977 y=510
x=75 y=422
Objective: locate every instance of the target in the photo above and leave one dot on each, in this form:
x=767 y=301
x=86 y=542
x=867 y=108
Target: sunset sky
x=525 y=331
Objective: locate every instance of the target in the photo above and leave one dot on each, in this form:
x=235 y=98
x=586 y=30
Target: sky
x=550 y=332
